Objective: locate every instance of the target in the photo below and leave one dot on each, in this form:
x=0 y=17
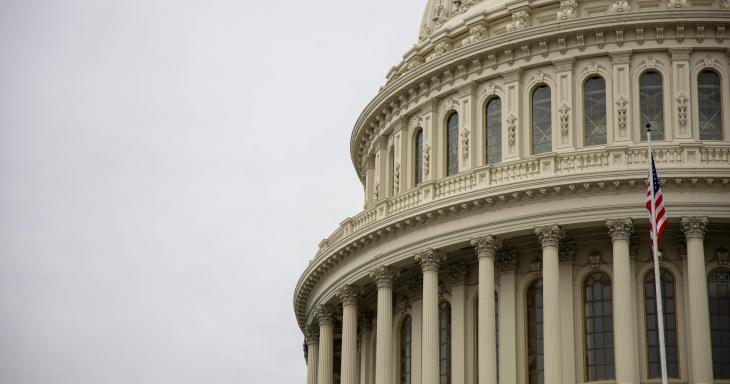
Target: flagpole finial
x=648 y=127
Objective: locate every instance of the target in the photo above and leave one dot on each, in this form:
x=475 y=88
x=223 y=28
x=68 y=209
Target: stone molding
x=549 y=235
x=486 y=246
x=429 y=259
x=694 y=227
x=348 y=294
x=384 y=276
x=620 y=229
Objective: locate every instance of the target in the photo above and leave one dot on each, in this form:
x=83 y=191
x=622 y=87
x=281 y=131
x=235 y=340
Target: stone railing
x=586 y=161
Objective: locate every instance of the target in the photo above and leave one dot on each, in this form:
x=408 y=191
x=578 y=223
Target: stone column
x=566 y=254
x=312 y=336
x=325 y=371
x=549 y=237
x=348 y=372
x=624 y=325
x=430 y=260
x=383 y=277
x=458 y=274
x=415 y=289
x=700 y=345
x=366 y=371
x=507 y=262
x=486 y=248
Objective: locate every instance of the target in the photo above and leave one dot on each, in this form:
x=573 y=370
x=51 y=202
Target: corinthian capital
x=325 y=314
x=694 y=227
x=486 y=246
x=348 y=294
x=549 y=235
x=383 y=276
x=311 y=334
x=430 y=259
x=620 y=229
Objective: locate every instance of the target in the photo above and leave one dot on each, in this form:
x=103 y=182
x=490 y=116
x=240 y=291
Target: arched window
x=542 y=131
x=452 y=145
x=719 y=297
x=670 y=325
x=598 y=318
x=445 y=343
x=405 y=351
x=494 y=131
x=709 y=101
x=651 y=104
x=535 y=358
x=419 y=156
x=594 y=111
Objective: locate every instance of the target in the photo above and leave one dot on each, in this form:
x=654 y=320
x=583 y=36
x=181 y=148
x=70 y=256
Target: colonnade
x=320 y=340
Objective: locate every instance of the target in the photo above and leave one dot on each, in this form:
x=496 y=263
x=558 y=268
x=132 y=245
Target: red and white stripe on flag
x=659 y=211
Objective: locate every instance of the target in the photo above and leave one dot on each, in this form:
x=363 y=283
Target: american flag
x=659 y=211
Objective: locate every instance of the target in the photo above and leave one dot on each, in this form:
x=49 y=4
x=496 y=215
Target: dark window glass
x=594 y=111
x=452 y=145
x=542 y=131
x=709 y=99
x=597 y=312
x=405 y=351
x=651 y=107
x=445 y=343
x=494 y=131
x=535 y=348
x=670 y=325
x=719 y=295
x=419 y=156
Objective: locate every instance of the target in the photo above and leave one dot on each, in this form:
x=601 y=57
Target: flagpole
x=657 y=273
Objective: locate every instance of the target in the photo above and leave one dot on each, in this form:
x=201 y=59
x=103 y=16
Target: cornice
x=405 y=92
x=486 y=200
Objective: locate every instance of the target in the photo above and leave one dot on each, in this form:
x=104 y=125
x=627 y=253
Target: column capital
x=325 y=314
x=458 y=273
x=383 y=276
x=430 y=259
x=486 y=246
x=507 y=260
x=566 y=252
x=348 y=294
x=620 y=229
x=311 y=334
x=549 y=235
x=694 y=227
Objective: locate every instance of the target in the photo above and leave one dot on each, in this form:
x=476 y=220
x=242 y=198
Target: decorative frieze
x=568 y=9
x=676 y=4
x=507 y=260
x=549 y=235
x=619 y=6
x=694 y=227
x=520 y=20
x=477 y=33
x=620 y=229
x=383 y=276
x=429 y=259
x=486 y=246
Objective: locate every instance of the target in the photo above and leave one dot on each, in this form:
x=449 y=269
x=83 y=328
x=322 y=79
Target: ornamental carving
x=725 y=4
x=439 y=16
x=566 y=251
x=593 y=67
x=426 y=159
x=619 y=6
x=465 y=143
x=709 y=61
x=396 y=178
x=539 y=77
x=511 y=129
x=520 y=21
x=458 y=273
x=682 y=109
x=620 y=229
x=694 y=227
x=383 y=276
x=348 y=294
x=486 y=246
x=325 y=314
x=377 y=189
x=311 y=334
x=564 y=119
x=568 y=9
x=621 y=104
x=476 y=33
x=650 y=62
x=430 y=259
x=507 y=261
x=549 y=235
x=676 y=4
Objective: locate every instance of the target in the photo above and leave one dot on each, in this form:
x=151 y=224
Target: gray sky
x=167 y=169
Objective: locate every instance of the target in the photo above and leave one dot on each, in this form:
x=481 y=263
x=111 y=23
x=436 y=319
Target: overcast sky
x=167 y=169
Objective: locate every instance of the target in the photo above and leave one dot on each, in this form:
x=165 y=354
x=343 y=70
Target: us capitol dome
x=504 y=237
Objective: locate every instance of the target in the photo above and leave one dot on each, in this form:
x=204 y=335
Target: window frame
x=606 y=108
x=584 y=280
x=550 y=117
